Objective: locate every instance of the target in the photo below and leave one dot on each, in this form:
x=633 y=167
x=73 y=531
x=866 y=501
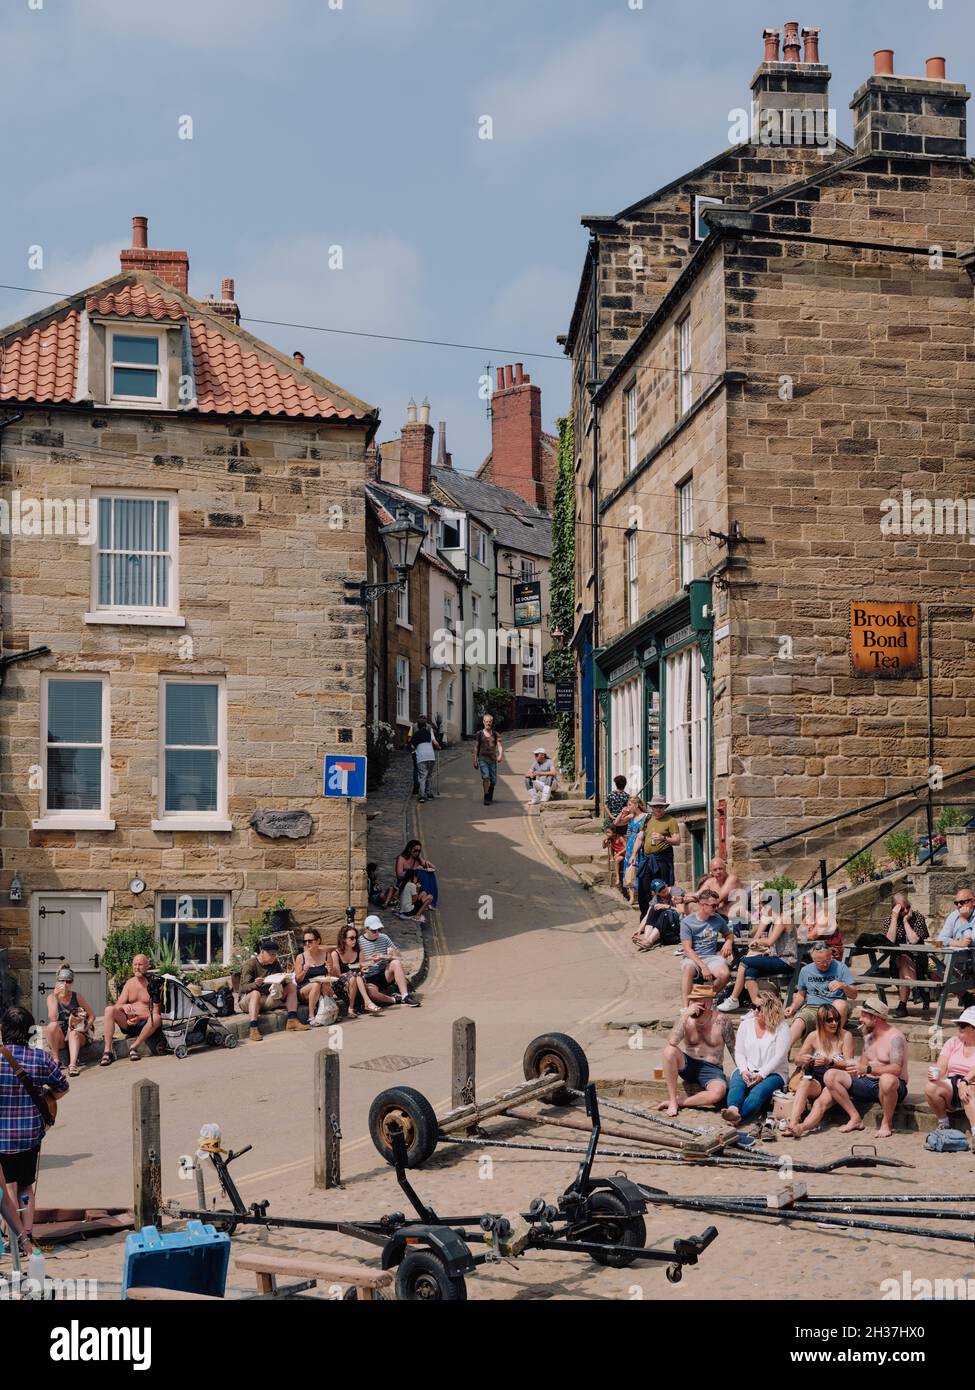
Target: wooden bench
x=957 y=979
x=268 y=1267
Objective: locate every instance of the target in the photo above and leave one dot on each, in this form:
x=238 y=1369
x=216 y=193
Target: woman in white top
x=761 y=1060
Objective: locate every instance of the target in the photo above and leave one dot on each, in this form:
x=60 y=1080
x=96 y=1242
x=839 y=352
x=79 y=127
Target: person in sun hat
x=878 y=1074
x=660 y=838
x=695 y=1051
x=954 y=1087
x=540 y=778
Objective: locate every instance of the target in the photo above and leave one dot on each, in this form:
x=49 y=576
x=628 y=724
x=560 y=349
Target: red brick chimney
x=226 y=305
x=416 y=449
x=516 y=436
x=171 y=266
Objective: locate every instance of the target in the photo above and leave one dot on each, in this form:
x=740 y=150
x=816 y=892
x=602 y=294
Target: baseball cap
x=657 y=885
x=266 y=944
x=539 y=750
x=967 y=1017
x=373 y=923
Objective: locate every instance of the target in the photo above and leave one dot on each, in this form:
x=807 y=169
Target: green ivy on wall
x=561 y=663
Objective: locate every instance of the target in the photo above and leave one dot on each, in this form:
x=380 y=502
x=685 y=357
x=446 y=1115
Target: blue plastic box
x=194 y=1261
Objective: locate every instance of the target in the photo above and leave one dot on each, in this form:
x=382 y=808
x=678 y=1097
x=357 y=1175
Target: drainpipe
x=594 y=540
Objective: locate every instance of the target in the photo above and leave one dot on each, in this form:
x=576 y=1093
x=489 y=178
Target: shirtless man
x=694 y=1052
x=134 y=1013
x=725 y=884
x=879 y=1074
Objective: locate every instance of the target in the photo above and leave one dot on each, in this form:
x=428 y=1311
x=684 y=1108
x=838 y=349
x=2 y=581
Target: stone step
x=579 y=849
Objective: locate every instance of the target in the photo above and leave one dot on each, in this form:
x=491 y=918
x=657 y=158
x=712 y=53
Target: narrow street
x=540 y=963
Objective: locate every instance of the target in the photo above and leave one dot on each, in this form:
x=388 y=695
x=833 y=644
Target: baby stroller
x=189 y=1018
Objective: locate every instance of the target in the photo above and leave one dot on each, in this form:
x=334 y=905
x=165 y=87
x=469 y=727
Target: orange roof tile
x=43 y=365
x=135 y=301
x=233 y=381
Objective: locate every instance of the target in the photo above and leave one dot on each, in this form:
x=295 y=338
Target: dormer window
x=136 y=368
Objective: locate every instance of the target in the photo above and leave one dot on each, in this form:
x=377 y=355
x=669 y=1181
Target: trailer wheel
x=227 y=1224
x=674 y=1274
x=422 y=1278
x=626 y=1232
x=409 y=1111
x=557 y=1052
x=351 y=1295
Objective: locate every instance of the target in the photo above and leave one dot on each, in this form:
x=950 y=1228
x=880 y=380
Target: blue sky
x=357 y=126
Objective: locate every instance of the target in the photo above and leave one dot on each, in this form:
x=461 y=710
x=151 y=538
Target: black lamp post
x=402 y=540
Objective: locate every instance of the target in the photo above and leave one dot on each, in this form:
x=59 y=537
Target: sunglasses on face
x=963 y=902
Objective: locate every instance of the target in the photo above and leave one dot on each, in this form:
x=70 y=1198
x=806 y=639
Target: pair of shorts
x=709 y=961
x=808 y=1013
x=694 y=1072
x=488 y=771
x=268 y=1005
x=20 y=1170
x=956 y=1102
x=867 y=1088
x=376 y=976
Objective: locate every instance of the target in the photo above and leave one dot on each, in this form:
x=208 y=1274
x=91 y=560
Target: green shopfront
x=655 y=703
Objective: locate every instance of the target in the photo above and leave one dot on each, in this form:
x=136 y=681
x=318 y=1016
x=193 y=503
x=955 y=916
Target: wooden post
x=463 y=1063
x=146 y=1154
x=328 y=1132
x=201 y=1187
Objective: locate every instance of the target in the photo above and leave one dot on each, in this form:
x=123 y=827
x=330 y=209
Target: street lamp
x=402 y=540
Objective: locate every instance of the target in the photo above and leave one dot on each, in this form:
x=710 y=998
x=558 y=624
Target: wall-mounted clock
x=137 y=886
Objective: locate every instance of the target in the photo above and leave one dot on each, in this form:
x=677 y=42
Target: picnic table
x=957 y=977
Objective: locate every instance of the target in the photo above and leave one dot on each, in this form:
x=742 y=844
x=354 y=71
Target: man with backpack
x=488 y=752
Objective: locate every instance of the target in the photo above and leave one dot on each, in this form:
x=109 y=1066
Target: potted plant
x=861 y=868
x=280 y=916
x=899 y=844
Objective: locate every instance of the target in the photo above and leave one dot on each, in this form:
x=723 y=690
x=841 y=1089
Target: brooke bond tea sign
x=885 y=639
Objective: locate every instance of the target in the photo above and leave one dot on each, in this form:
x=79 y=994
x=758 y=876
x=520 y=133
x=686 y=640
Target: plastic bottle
x=35 y=1272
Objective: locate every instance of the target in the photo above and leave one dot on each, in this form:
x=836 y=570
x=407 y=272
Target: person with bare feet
x=761 y=1060
x=135 y=1013
x=827 y=1045
x=695 y=1051
x=879 y=1074
x=951 y=1081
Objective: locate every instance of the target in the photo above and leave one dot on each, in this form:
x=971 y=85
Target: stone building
x=747 y=405
x=179 y=649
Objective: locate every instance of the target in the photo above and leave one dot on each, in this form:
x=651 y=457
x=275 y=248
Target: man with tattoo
x=695 y=1051
x=879 y=1074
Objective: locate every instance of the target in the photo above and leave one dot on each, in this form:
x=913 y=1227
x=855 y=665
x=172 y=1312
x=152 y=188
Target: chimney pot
x=140 y=233
x=226 y=289
x=883 y=62
x=790 y=43
x=508 y=378
x=425 y=412
x=298 y=356
x=771 y=37
x=519 y=373
x=811 y=41
x=411 y=412
x=935 y=69
x=500 y=378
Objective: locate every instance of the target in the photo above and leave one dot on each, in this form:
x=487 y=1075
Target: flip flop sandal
x=134 y=1055
x=107 y=1059
x=74 y=1071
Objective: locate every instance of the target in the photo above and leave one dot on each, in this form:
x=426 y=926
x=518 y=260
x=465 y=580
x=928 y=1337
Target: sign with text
x=885 y=639
x=528 y=603
x=345 y=775
x=565 y=696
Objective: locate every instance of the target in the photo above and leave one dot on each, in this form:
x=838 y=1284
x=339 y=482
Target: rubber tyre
x=559 y=1053
x=227 y=1225
x=416 y=1117
x=230 y=1041
x=181 y=1051
x=379 y=1296
x=423 y=1278
x=630 y=1233
x=160 y=1048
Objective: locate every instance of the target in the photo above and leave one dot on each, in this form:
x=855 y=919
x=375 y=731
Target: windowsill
x=400 y=623
x=196 y=823
x=404 y=722
x=69 y=822
x=683 y=808
x=136 y=619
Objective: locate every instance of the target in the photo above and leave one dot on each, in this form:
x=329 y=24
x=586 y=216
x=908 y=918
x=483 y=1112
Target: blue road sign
x=345 y=775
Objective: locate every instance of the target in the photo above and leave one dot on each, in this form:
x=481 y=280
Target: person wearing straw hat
x=953 y=1088
x=661 y=836
x=879 y=1074
x=540 y=778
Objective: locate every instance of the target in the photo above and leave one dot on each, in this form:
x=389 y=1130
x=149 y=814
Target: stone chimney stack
x=790 y=96
x=516 y=436
x=416 y=449
x=171 y=266
x=226 y=305
x=910 y=115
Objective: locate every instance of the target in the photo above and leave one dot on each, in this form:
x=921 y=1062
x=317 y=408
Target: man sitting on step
x=695 y=1051
x=260 y=992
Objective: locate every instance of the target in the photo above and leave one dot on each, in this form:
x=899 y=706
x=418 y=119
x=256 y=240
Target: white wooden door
x=69 y=929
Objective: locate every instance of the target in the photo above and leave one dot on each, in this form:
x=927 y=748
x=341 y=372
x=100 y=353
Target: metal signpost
x=345 y=776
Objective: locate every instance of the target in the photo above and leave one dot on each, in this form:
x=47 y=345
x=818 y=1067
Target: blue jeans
x=751 y=1101
x=757 y=966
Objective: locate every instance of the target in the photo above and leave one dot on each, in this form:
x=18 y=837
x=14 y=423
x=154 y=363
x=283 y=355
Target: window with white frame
x=451 y=531
x=448 y=612
x=135 y=558
x=685 y=754
x=631 y=452
x=478 y=544
x=423 y=691
x=193 y=739
x=528 y=570
x=75 y=731
x=685 y=377
x=475 y=612
x=402 y=690
x=197 y=924
x=137 y=367
x=632 y=575
x=685 y=515
x=529 y=667
x=450 y=701
x=403 y=604
x=701 y=229
x=626 y=732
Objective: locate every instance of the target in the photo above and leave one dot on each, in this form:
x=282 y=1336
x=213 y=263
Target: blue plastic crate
x=193 y=1261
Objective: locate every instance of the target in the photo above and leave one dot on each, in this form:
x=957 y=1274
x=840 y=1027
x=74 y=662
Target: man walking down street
x=426 y=747
x=488 y=752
